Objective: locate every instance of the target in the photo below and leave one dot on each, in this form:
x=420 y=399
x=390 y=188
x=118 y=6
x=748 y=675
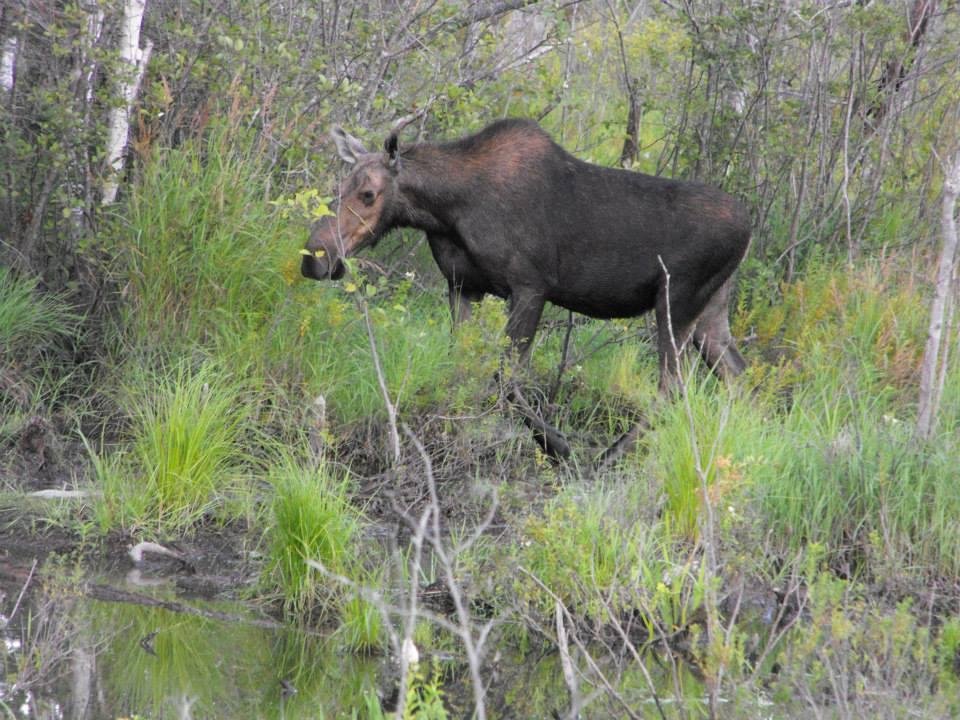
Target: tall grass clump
x=709 y=437
x=30 y=320
x=426 y=363
x=186 y=449
x=312 y=520
x=869 y=326
x=205 y=256
x=597 y=555
x=413 y=344
x=31 y=324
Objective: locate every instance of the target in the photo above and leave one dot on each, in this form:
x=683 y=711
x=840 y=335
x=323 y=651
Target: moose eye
x=367 y=197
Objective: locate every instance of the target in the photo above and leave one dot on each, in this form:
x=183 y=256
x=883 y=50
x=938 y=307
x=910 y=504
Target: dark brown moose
x=509 y=212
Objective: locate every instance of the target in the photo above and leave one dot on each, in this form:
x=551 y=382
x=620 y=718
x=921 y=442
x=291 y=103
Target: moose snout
x=321 y=268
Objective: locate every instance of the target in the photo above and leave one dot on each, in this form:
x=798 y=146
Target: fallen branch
x=624 y=444
x=553 y=442
x=52 y=494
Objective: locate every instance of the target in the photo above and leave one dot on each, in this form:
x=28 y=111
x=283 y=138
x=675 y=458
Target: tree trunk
x=134 y=61
x=9 y=49
x=8 y=64
x=934 y=354
x=896 y=69
x=631 y=140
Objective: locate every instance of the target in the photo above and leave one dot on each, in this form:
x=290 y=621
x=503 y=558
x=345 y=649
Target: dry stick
x=464 y=628
x=625 y=639
x=476 y=13
x=474 y=647
x=381 y=380
x=410 y=616
x=534 y=624
x=576 y=639
x=846 y=162
x=38 y=213
x=565 y=663
x=107 y=593
x=376 y=599
x=552 y=440
x=409 y=613
x=23 y=590
x=621 y=446
x=564 y=357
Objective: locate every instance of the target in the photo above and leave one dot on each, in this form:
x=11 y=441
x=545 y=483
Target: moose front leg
x=461 y=301
x=465 y=282
x=525 y=309
x=526 y=306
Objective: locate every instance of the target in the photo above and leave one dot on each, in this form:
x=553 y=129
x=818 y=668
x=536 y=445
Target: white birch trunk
x=8 y=64
x=932 y=373
x=133 y=62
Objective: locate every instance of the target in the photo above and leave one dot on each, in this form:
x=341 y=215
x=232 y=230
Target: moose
x=509 y=212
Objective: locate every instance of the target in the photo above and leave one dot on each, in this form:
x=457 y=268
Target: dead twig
x=23 y=591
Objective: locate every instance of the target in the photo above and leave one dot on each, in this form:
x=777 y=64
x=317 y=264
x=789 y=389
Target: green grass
x=855 y=479
x=32 y=324
x=361 y=623
x=204 y=253
x=598 y=552
x=845 y=470
x=28 y=318
x=580 y=551
x=186 y=450
x=312 y=519
x=715 y=437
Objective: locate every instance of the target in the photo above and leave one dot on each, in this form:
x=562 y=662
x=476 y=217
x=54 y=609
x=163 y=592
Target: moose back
x=509 y=212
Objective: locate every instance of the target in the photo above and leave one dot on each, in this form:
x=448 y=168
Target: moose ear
x=347 y=145
x=392 y=148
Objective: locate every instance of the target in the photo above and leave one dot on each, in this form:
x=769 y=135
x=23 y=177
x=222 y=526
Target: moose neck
x=435 y=185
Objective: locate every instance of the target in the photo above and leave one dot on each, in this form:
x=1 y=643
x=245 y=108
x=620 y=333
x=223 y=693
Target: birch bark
x=133 y=62
x=932 y=372
x=8 y=63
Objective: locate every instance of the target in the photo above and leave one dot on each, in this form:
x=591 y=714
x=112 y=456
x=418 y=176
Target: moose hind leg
x=713 y=338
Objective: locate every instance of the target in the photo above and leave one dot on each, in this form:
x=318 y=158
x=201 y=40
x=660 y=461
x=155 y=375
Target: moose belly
x=606 y=299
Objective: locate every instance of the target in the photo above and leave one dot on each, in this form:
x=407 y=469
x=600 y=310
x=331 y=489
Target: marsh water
x=67 y=654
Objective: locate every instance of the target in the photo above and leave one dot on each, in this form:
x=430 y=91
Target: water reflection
x=66 y=655
x=98 y=659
